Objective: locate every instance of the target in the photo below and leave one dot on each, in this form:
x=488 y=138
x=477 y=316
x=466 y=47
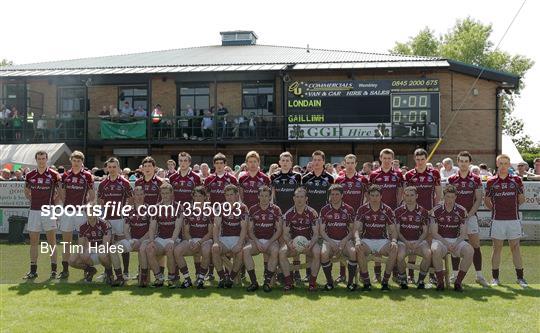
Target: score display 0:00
x=215 y=209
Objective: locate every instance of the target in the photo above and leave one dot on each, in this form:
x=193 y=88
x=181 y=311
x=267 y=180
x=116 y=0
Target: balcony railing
x=212 y=129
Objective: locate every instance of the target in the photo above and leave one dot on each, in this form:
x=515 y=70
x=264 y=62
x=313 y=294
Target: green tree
x=469 y=41
x=5 y=62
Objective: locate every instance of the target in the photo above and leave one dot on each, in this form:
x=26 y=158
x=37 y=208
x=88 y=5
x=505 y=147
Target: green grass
x=73 y=306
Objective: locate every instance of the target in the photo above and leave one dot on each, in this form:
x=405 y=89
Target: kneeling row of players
x=335 y=231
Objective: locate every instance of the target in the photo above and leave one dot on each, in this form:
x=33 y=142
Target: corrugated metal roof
x=211 y=56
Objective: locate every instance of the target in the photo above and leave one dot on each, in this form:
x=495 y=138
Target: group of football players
x=351 y=219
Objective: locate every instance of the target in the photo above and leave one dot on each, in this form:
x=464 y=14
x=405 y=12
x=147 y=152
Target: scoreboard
x=357 y=110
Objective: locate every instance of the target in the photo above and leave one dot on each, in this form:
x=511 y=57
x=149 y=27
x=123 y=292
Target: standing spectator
x=127 y=110
x=395 y=165
x=484 y=172
x=191 y=130
x=222 y=120
x=475 y=170
x=196 y=168
x=367 y=167
x=524 y=173
x=448 y=169
x=252 y=125
x=171 y=168
x=537 y=166
x=18 y=175
x=16 y=123
x=274 y=167
x=207 y=125
x=205 y=171
x=140 y=113
x=375 y=165
x=104 y=112
x=6 y=175
x=297 y=168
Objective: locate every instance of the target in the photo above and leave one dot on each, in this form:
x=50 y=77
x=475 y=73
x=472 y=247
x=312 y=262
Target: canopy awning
x=24 y=154
x=510 y=149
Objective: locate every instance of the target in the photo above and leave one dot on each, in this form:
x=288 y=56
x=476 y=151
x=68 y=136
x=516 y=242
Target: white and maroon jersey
x=151 y=189
x=170 y=173
x=374 y=223
x=336 y=222
x=77 y=186
x=449 y=222
x=118 y=190
x=317 y=189
x=503 y=194
x=354 y=189
x=94 y=233
x=425 y=183
x=301 y=224
x=166 y=220
x=42 y=187
x=466 y=188
x=215 y=185
x=138 y=225
x=231 y=224
x=411 y=222
x=284 y=185
x=198 y=225
x=250 y=186
x=390 y=182
x=264 y=221
x=183 y=185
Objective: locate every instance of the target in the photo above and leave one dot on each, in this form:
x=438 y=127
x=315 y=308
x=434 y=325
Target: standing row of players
x=504 y=195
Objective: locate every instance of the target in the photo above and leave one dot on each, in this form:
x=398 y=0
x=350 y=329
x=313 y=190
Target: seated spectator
x=104 y=112
x=448 y=169
x=523 y=172
x=6 y=175
x=114 y=113
x=126 y=111
x=140 y=113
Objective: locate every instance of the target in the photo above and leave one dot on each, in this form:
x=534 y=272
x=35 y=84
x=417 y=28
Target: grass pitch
x=45 y=306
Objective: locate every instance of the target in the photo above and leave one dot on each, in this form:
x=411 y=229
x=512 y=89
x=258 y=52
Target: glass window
x=258 y=98
x=136 y=96
x=195 y=96
x=71 y=102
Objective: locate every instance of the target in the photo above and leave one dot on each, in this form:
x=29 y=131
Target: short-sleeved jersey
x=301 y=224
x=138 y=225
x=411 y=222
x=374 y=223
x=336 y=222
x=42 y=187
x=94 y=233
x=198 y=225
x=390 y=182
x=264 y=221
x=466 y=188
x=166 y=220
x=215 y=185
x=118 y=190
x=77 y=186
x=284 y=185
x=183 y=185
x=151 y=189
x=354 y=189
x=231 y=224
x=250 y=186
x=449 y=222
x=503 y=194
x=425 y=183
x=317 y=189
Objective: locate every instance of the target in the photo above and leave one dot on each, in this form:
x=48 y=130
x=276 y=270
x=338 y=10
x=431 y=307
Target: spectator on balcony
x=16 y=124
x=140 y=113
x=448 y=169
x=252 y=125
x=222 y=120
x=239 y=124
x=190 y=114
x=207 y=125
x=105 y=113
x=126 y=111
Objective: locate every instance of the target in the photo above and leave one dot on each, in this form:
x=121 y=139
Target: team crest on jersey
x=504 y=186
x=394 y=178
x=381 y=217
x=417 y=219
x=471 y=184
x=430 y=179
x=422 y=178
x=291 y=182
x=324 y=183
x=344 y=215
x=512 y=185
x=496 y=186
x=251 y=183
x=358 y=184
x=47 y=181
x=40 y=180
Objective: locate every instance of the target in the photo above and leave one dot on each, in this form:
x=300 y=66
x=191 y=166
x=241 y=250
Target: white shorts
x=229 y=242
x=129 y=244
x=472 y=225
x=375 y=245
x=163 y=242
x=264 y=241
x=506 y=229
x=70 y=223
x=343 y=253
x=407 y=250
x=38 y=223
x=94 y=256
x=457 y=249
x=117 y=227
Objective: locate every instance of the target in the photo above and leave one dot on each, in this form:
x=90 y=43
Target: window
x=258 y=98
x=136 y=96
x=195 y=96
x=71 y=102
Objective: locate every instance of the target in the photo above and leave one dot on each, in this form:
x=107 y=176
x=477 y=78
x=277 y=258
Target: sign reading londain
x=375 y=109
